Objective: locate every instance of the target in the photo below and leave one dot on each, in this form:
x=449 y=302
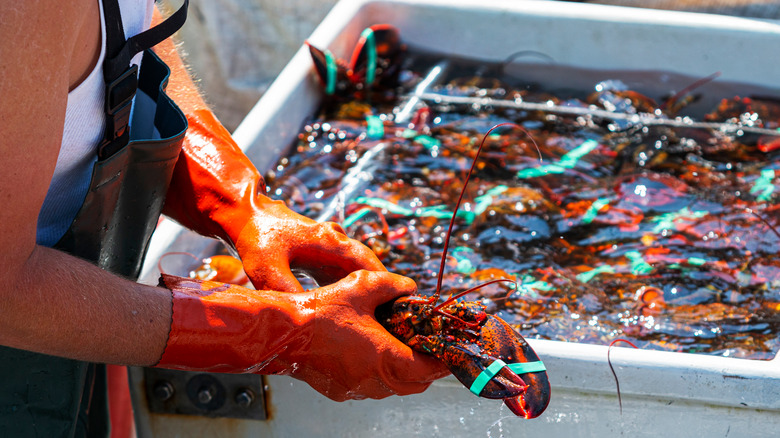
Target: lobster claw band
x=518 y=368
x=368 y=36
x=332 y=71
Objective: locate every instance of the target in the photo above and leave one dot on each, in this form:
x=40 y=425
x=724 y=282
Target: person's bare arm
x=181 y=85
x=51 y=302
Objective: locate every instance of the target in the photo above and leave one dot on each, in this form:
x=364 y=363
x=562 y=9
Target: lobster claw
x=376 y=54
x=331 y=72
x=501 y=365
x=374 y=61
x=497 y=335
x=481 y=350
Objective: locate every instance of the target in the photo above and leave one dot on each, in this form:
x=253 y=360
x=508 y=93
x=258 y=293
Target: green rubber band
x=330 y=80
x=485 y=376
x=375 y=128
x=601 y=269
x=696 y=261
x=764 y=185
x=567 y=161
x=638 y=264
x=518 y=368
x=427 y=141
x=667 y=221
x=368 y=34
x=594 y=209
x=348 y=222
x=527 y=367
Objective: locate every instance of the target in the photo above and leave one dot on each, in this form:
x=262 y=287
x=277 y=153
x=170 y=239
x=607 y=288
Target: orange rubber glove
x=230 y=204
x=327 y=337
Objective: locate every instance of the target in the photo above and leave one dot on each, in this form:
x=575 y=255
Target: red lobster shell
x=374 y=64
x=484 y=352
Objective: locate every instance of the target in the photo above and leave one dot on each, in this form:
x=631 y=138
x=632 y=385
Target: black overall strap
x=120 y=77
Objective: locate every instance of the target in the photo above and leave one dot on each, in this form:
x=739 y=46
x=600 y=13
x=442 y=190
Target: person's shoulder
x=40 y=35
x=23 y=19
x=14 y=9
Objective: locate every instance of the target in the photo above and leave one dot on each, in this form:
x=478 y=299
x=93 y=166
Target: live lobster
x=481 y=350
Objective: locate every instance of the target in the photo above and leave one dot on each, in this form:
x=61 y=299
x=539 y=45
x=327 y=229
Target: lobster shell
x=468 y=341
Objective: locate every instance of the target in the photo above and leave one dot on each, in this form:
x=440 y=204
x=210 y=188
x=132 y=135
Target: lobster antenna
x=460 y=294
x=609 y=362
x=762 y=219
x=698 y=83
x=463 y=191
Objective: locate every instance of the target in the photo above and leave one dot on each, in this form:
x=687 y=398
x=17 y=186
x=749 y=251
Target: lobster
x=481 y=350
x=373 y=66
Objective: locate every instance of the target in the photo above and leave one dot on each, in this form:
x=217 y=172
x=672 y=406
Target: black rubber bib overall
x=46 y=396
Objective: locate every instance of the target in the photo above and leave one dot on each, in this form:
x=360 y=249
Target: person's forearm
x=51 y=302
x=60 y=305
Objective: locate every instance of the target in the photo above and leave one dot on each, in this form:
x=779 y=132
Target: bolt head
x=205 y=395
x=245 y=397
x=163 y=391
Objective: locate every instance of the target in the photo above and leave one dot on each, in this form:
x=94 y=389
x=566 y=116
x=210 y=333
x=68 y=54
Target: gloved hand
x=327 y=337
x=230 y=204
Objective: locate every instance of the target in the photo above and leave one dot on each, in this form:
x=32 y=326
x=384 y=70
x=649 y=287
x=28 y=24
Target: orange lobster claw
x=498 y=336
x=222 y=268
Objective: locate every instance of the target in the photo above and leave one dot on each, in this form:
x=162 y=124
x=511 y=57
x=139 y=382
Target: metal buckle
x=119 y=99
x=120 y=92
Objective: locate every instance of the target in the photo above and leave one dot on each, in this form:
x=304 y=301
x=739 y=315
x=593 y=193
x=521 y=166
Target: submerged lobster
x=481 y=350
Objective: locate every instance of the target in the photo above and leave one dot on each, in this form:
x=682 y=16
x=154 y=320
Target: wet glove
x=230 y=204
x=327 y=337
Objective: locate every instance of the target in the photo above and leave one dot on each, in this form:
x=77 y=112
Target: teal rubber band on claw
x=527 y=367
x=375 y=127
x=330 y=64
x=368 y=34
x=518 y=368
x=485 y=376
